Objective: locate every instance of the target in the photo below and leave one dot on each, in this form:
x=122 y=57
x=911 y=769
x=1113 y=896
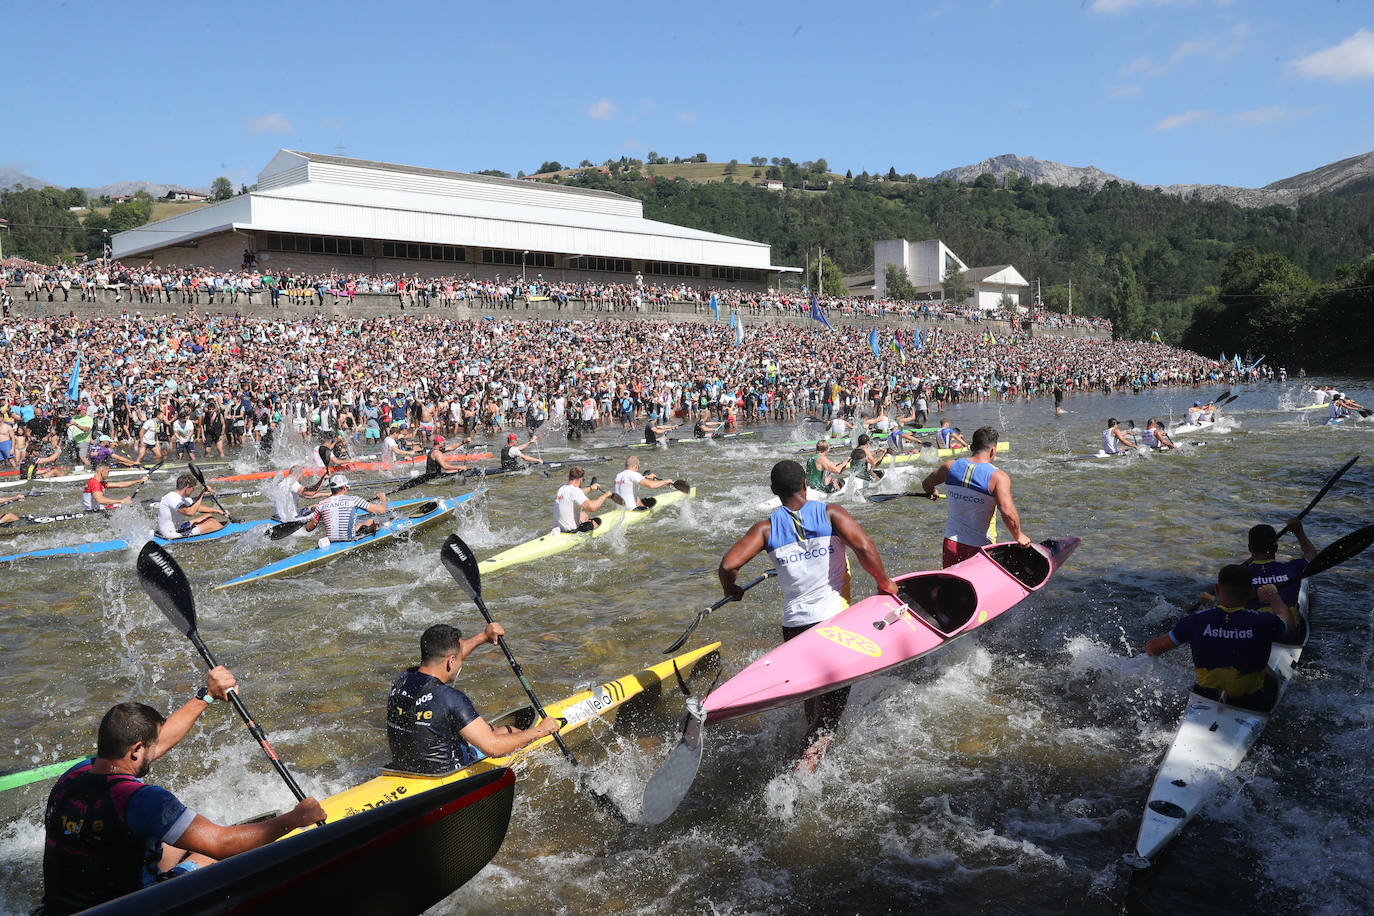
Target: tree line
x=1143 y=258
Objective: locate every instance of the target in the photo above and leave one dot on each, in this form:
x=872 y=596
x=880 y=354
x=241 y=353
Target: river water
x=1005 y=774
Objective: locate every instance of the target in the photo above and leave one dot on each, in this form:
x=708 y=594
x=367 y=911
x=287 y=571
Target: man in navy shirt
x=1265 y=569
x=432 y=727
x=109 y=834
x=1231 y=642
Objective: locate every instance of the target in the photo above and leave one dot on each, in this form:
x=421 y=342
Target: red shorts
x=953 y=552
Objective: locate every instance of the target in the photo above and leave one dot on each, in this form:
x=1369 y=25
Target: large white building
x=928 y=263
x=312 y=213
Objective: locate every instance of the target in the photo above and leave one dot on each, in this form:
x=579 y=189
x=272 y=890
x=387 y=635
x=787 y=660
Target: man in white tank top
x=806 y=540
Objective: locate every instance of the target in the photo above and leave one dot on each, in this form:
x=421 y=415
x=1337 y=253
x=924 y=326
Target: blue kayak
x=426 y=514
x=117 y=544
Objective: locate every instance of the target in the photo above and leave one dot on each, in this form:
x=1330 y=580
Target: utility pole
x=1070 y=297
x=820 y=268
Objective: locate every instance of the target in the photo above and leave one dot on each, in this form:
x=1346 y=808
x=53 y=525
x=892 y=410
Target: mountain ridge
x=1352 y=173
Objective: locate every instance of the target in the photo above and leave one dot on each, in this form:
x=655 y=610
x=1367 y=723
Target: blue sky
x=1237 y=92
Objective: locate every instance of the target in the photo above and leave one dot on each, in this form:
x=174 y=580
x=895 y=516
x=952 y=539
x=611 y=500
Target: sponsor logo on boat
x=851 y=640
x=600 y=701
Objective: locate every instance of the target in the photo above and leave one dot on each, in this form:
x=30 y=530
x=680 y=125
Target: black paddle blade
x=196 y=472
x=284 y=530
x=461 y=564
x=166 y=584
x=682 y=486
x=1350 y=545
x=673 y=779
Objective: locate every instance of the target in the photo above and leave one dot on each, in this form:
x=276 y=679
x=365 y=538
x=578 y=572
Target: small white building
x=927 y=263
x=182 y=194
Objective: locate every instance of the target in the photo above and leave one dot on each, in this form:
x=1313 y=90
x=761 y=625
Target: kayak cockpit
x=944 y=601
x=1026 y=565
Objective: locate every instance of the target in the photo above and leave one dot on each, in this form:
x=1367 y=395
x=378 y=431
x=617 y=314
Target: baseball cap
x=104 y=439
x=438 y=440
x=1197 y=403
x=338 y=481
x=511 y=437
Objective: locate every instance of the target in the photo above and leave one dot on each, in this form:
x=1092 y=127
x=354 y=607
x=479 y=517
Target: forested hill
x=1142 y=257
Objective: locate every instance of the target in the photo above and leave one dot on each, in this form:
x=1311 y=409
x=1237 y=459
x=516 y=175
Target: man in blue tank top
x=1231 y=643
x=806 y=540
x=109 y=834
x=975 y=488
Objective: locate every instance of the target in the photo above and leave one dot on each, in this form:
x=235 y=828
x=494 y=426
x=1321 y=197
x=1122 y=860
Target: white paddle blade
x=673 y=779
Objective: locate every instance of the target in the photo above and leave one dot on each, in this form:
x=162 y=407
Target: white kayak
x=78 y=477
x=1212 y=740
x=1185 y=429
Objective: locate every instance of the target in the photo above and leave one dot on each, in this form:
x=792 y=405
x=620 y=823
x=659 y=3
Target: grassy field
x=161 y=208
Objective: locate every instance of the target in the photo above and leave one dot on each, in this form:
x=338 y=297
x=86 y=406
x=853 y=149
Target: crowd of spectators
x=207 y=383
x=255 y=284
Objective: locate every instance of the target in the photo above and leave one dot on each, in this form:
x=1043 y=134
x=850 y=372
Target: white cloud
x=1352 y=59
x=1217 y=48
x=603 y=109
x=1272 y=114
x=274 y=123
x=1126 y=92
x=1173 y=122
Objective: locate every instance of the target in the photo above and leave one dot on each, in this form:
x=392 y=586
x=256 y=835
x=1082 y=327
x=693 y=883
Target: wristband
x=203 y=694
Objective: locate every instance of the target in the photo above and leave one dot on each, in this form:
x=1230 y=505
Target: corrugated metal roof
x=464 y=176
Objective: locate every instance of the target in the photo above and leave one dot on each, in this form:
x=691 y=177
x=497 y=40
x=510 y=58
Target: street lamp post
x=522 y=267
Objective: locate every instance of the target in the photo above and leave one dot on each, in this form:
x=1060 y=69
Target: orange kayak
x=344 y=466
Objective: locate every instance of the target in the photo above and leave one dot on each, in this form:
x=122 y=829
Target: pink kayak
x=878 y=633
x=875 y=635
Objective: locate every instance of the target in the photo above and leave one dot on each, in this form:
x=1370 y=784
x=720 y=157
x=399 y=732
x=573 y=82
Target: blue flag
x=739 y=332
x=715 y=307
x=918 y=339
x=817 y=314
x=873 y=341
x=74 y=385
x=732 y=319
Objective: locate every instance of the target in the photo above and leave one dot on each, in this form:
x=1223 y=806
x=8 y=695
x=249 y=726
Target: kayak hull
x=396 y=860
x=879 y=633
x=556 y=542
x=1212 y=740
x=117 y=544
x=604 y=702
x=406 y=527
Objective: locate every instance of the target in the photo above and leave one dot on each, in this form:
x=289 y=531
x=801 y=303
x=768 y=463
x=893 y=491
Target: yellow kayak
x=556 y=542
x=603 y=702
x=1003 y=447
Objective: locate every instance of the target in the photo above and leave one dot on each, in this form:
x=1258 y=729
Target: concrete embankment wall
x=373 y=306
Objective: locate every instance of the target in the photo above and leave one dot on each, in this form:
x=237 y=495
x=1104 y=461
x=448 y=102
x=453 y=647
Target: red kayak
x=345 y=466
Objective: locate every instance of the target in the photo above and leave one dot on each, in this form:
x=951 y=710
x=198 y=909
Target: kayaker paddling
x=948 y=437
x=822 y=473
x=93 y=499
x=1154 y=437
x=1231 y=643
x=1113 y=442
x=628 y=479
x=806 y=540
x=431 y=726
x=975 y=488
x=1266 y=569
x=512 y=455
x=179 y=516
x=437 y=462
x=108 y=833
x=572 y=506
x=340 y=512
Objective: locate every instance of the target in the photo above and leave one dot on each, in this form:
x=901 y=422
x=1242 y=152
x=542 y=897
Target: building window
x=413 y=251
x=608 y=265
x=670 y=269
x=312 y=244
x=726 y=273
x=514 y=258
